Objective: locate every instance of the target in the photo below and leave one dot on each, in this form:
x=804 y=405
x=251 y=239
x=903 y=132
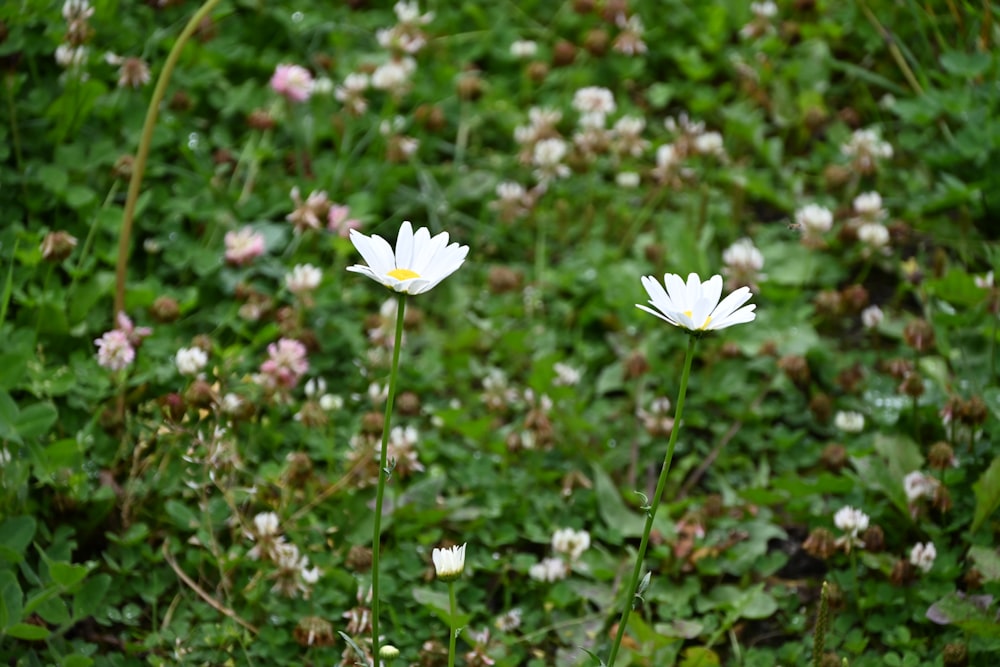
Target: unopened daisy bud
x=449 y=563
x=388 y=653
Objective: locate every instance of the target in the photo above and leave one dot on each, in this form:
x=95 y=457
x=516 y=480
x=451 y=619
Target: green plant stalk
x=894 y=51
x=383 y=473
x=8 y=283
x=452 y=633
x=657 y=495
x=819 y=634
x=145 y=142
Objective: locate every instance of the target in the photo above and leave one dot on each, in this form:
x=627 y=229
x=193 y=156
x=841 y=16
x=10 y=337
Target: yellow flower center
x=704 y=325
x=403 y=274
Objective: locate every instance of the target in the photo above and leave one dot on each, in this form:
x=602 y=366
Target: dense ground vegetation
x=192 y=385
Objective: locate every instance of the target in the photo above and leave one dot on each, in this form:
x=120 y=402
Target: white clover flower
x=594 y=99
x=814 y=219
x=331 y=402
x=873 y=235
x=549 y=569
x=418 y=264
x=394 y=75
x=985 y=281
x=869 y=204
x=315 y=387
x=570 y=542
x=666 y=156
x=190 y=360
x=509 y=621
x=509 y=191
x=523 y=48
x=627 y=179
x=303 y=278
x=917 y=485
x=449 y=563
x=923 y=556
x=70 y=56
x=709 y=143
x=764 y=10
x=266 y=524
x=743 y=263
x=566 y=375
x=695 y=305
x=77 y=9
x=547 y=156
x=851 y=521
x=231 y=403
x=871 y=317
x=849 y=422
x=408 y=13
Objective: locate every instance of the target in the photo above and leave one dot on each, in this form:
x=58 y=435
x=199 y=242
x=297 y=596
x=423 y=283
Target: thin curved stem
x=655 y=503
x=452 y=634
x=383 y=472
x=145 y=142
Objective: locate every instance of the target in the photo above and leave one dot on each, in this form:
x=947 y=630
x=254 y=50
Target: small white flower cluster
x=658 y=420
x=923 y=555
x=629 y=39
x=849 y=422
x=984 y=281
x=763 y=14
x=743 y=264
x=866 y=148
x=399 y=146
x=292 y=573
x=190 y=361
x=918 y=485
x=303 y=279
x=690 y=138
x=71 y=55
x=570 y=545
x=512 y=201
x=869 y=215
x=407 y=35
x=852 y=522
x=522 y=49
x=813 y=221
x=566 y=375
x=871 y=317
x=497 y=394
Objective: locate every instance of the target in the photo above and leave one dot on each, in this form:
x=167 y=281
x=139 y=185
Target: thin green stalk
x=655 y=502
x=145 y=142
x=822 y=618
x=452 y=634
x=383 y=471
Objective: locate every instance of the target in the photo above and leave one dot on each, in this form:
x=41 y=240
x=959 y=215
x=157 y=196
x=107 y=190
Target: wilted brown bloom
x=903 y=573
x=834 y=457
x=820 y=544
x=796 y=368
x=941 y=456
x=874 y=539
x=313 y=631
x=57 y=246
x=919 y=335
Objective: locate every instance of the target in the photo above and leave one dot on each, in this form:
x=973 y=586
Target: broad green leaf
x=76 y=660
x=88 y=599
x=699 y=656
x=987 y=561
x=36 y=419
x=11 y=599
x=612 y=508
x=67 y=575
x=15 y=536
x=969 y=65
x=987 y=491
x=437 y=602
x=28 y=632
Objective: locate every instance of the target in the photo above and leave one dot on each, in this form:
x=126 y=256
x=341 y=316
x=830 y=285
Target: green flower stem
x=655 y=503
x=146 y=140
x=383 y=473
x=452 y=634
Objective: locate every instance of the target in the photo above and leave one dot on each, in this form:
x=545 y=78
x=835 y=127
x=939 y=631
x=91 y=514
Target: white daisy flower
x=449 y=563
x=418 y=264
x=695 y=305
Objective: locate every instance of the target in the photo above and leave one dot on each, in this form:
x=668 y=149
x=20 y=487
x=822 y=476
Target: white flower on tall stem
x=744 y=262
x=303 y=279
x=852 y=522
x=570 y=542
x=695 y=305
x=871 y=317
x=449 y=563
x=418 y=263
